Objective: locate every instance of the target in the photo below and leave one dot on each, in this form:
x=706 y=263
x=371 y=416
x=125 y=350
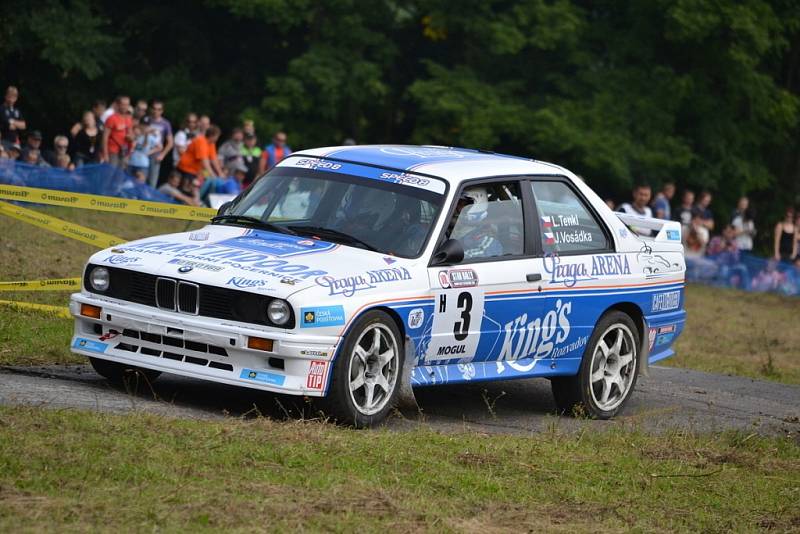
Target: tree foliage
x=703 y=92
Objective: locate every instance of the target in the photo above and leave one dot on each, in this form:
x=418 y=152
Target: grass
x=727 y=331
x=146 y=472
x=739 y=333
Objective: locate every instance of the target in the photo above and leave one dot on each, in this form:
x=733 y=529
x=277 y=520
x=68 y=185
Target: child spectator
x=723 y=250
x=785 y=238
x=742 y=222
x=86 y=137
x=34 y=157
x=145 y=145
x=140 y=176
x=695 y=241
x=769 y=278
x=63 y=161
x=661 y=207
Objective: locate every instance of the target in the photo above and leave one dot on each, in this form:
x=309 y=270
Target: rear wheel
x=608 y=371
x=121 y=373
x=366 y=372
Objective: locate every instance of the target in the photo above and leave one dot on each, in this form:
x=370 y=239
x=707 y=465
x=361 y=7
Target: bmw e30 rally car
x=358 y=273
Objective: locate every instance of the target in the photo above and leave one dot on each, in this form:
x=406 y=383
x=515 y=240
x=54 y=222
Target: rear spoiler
x=657 y=229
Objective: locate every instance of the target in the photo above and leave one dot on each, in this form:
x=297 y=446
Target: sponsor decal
x=316 y=374
x=610 y=265
x=567 y=274
x=314 y=163
x=279 y=246
x=467 y=370
x=444 y=280
x=663 y=335
x=273 y=379
x=188 y=265
x=317 y=353
x=403 y=178
x=198 y=236
x=121 y=260
x=216 y=257
x=663 y=339
x=89 y=344
x=239 y=281
x=349 y=285
x=289 y=281
x=539 y=338
x=389 y=260
x=655 y=263
x=669 y=300
x=462 y=278
x=652 y=337
x=673 y=235
x=415 y=318
x=320 y=316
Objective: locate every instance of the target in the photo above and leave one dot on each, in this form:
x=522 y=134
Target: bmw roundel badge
x=184 y=268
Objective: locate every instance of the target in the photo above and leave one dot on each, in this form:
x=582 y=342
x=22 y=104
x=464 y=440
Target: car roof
x=451 y=164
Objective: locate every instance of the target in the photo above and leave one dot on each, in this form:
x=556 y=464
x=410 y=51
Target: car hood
x=259 y=262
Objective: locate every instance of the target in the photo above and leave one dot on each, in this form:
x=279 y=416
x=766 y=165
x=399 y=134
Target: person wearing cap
x=251 y=155
x=33 y=145
x=11 y=120
x=13 y=150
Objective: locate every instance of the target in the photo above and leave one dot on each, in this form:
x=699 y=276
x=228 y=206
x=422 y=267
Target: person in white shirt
x=641 y=199
x=742 y=222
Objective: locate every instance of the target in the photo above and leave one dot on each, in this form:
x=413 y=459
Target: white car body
x=520 y=326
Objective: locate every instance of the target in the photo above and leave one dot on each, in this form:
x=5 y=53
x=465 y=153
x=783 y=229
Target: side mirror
x=448 y=253
x=222 y=209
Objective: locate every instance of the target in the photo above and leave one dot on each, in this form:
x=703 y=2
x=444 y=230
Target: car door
x=581 y=269
x=483 y=304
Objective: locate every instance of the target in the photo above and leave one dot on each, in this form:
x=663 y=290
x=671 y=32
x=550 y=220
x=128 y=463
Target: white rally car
x=358 y=273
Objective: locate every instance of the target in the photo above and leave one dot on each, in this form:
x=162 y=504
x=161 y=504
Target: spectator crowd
x=184 y=164
x=725 y=256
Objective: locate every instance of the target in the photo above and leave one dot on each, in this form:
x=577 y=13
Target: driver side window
x=488 y=221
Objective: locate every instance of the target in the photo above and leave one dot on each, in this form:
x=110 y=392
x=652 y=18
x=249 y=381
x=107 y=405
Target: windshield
x=366 y=213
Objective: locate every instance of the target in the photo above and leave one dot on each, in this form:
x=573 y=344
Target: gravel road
x=669 y=398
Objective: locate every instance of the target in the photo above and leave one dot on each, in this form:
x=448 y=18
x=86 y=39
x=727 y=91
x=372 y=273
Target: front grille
x=187 y=297
x=165 y=293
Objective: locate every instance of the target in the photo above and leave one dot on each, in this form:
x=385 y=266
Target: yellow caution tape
x=60 y=226
x=42 y=285
x=58 y=311
x=54 y=197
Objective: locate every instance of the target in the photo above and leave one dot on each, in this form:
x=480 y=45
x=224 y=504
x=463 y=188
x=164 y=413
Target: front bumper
x=201 y=347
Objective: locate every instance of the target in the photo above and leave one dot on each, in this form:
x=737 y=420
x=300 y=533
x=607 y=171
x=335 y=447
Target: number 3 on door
x=456 y=325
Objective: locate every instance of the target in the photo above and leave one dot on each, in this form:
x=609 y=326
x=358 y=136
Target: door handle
x=533 y=277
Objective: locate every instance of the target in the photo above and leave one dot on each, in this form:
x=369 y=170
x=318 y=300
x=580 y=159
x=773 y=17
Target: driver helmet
x=476 y=211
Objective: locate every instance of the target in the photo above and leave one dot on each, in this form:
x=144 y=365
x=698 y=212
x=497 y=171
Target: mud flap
x=406 y=401
x=644 y=367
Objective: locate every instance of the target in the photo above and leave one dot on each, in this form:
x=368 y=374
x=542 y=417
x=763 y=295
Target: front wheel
x=366 y=373
x=608 y=370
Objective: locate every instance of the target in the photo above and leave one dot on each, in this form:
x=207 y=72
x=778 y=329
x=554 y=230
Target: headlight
x=278 y=312
x=99 y=279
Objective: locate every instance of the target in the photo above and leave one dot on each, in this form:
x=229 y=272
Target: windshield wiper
x=254 y=221
x=336 y=234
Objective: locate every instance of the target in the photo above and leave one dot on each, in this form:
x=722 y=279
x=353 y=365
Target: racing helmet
x=480 y=202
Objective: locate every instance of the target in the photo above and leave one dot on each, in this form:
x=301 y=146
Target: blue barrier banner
x=98 y=179
x=744 y=271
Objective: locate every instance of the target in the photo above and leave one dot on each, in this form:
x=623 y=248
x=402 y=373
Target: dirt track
x=668 y=398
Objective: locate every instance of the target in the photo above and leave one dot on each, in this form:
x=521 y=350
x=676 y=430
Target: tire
x=608 y=372
x=366 y=379
x=120 y=373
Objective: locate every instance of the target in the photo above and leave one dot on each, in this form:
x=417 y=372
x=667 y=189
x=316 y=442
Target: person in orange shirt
x=200 y=158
